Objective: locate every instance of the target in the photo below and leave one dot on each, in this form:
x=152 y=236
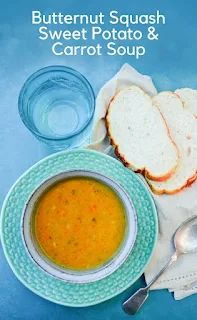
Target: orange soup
x=80 y=223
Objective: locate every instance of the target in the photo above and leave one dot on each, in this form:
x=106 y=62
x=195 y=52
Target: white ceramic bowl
x=65 y=274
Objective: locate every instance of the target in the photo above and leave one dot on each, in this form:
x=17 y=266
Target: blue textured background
x=171 y=62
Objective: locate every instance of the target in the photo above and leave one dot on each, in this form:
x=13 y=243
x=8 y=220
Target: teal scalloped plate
x=69 y=294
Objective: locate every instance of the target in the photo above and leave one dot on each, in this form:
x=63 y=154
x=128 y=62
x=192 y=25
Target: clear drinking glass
x=57 y=105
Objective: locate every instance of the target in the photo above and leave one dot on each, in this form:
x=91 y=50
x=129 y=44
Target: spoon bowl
x=185 y=239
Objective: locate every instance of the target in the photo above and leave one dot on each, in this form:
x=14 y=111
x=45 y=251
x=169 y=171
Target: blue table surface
x=171 y=62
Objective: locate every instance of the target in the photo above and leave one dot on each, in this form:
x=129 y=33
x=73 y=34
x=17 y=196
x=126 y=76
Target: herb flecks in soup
x=80 y=223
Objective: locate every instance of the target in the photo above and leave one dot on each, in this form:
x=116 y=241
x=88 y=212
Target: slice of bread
x=183 y=129
x=189 y=98
x=140 y=135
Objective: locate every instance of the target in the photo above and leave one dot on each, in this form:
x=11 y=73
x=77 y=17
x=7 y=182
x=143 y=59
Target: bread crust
x=143 y=171
x=189 y=181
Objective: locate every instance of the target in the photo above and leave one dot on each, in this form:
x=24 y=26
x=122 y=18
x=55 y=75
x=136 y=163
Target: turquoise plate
x=69 y=294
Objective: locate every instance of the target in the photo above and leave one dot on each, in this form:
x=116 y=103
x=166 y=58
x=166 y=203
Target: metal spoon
x=185 y=241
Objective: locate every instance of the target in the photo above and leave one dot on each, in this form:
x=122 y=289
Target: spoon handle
x=134 y=303
x=173 y=258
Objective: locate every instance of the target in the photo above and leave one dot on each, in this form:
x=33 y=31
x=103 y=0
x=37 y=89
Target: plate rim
x=29 y=286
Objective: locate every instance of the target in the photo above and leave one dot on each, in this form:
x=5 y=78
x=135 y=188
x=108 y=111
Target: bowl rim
x=119 y=256
x=51 y=69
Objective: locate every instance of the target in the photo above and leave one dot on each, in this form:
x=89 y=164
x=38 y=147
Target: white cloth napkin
x=181 y=278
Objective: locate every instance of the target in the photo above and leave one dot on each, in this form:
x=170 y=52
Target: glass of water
x=57 y=105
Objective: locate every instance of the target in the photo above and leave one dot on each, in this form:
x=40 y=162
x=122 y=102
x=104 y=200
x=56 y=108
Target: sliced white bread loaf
x=183 y=129
x=139 y=134
x=189 y=98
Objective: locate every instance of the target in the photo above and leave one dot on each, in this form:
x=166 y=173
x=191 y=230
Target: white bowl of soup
x=79 y=226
